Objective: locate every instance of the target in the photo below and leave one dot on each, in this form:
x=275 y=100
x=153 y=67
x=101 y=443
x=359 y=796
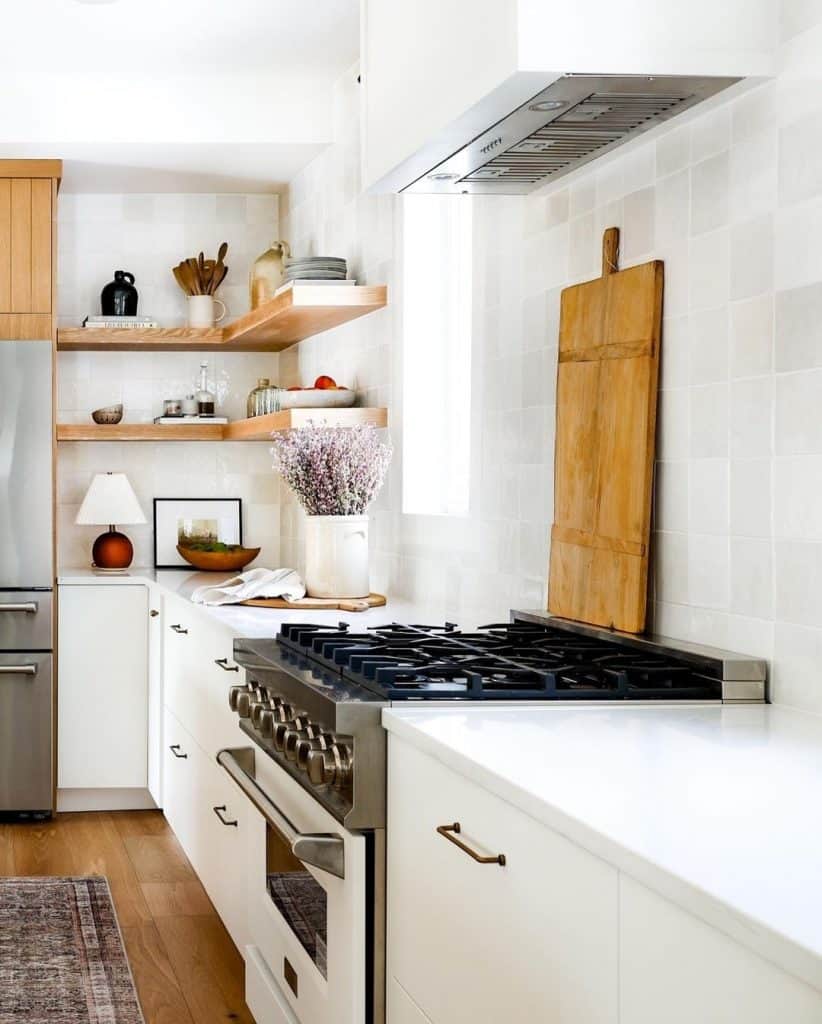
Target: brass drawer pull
x=223 y=663
x=447 y=832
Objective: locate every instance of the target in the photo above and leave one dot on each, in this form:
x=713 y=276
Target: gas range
x=313 y=697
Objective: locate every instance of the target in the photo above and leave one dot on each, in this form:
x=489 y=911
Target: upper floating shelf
x=260 y=428
x=293 y=316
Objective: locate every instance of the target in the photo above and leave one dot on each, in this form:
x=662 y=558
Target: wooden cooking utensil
x=607 y=377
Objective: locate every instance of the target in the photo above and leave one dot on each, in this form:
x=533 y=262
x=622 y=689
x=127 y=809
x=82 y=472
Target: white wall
x=732 y=201
x=148 y=234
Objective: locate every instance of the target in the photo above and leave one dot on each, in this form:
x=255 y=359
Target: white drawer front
x=475 y=943
x=262 y=993
x=198 y=674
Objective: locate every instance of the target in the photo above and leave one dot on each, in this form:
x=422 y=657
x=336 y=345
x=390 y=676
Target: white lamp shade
x=110 y=500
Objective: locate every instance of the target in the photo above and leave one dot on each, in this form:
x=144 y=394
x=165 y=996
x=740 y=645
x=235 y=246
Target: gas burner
x=499 y=661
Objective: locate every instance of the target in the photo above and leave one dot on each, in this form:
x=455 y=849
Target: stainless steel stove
x=311 y=704
x=313 y=697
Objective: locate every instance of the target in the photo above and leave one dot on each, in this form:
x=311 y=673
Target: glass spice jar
x=261 y=398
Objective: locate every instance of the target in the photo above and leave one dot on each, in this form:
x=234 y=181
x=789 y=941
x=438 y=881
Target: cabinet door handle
x=178 y=628
x=154 y=613
x=18 y=670
x=224 y=665
x=448 y=832
x=219 y=812
x=174 y=748
x=29 y=607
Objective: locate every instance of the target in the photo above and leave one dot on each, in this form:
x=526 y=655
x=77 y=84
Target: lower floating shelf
x=260 y=428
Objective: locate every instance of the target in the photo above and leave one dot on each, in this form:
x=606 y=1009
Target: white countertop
x=243 y=621
x=717 y=808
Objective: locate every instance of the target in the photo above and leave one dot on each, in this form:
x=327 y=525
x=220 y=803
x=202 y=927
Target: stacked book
x=108 y=323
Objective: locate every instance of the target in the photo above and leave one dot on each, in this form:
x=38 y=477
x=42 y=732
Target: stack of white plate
x=314 y=268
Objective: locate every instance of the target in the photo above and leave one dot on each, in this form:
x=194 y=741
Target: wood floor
x=186 y=968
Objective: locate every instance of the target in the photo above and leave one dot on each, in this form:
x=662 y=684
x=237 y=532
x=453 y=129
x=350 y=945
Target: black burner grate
x=500 y=661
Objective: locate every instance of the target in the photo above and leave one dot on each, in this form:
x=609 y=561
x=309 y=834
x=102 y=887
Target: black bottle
x=119 y=297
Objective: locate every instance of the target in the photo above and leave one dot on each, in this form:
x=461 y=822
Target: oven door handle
x=321 y=850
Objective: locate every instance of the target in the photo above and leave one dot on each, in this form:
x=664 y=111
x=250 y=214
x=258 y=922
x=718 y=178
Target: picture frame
x=196 y=518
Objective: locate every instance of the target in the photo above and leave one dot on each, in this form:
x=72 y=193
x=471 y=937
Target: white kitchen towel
x=284 y=583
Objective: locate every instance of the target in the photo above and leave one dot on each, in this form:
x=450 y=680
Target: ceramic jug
x=119 y=297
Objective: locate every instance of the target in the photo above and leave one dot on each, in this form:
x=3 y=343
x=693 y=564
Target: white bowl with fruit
x=325 y=394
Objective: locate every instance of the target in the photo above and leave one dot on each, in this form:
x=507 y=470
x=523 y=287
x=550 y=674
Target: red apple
x=324 y=383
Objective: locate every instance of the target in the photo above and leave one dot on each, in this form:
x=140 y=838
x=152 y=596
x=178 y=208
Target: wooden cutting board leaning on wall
x=609 y=341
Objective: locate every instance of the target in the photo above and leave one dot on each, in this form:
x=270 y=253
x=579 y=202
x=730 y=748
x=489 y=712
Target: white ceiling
x=173 y=95
x=216 y=36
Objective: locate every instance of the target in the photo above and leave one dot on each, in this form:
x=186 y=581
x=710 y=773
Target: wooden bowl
x=219 y=561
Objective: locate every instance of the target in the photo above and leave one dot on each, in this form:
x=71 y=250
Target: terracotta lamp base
x=112 y=550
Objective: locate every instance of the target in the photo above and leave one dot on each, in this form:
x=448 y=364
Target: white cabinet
x=481 y=943
x=677 y=969
x=220 y=844
x=198 y=672
x=180 y=756
x=102 y=732
x=205 y=809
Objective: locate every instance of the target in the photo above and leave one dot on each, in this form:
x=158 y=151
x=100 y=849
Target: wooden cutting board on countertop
x=343 y=604
x=607 y=377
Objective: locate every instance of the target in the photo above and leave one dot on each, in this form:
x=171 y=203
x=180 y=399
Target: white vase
x=336 y=556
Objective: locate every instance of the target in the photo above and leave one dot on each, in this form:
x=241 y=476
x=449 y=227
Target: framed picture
x=193 y=522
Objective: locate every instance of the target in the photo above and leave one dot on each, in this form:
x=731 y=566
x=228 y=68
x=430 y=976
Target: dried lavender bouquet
x=333 y=471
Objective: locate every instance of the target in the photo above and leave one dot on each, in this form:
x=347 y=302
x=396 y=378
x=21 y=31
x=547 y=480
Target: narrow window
x=437 y=303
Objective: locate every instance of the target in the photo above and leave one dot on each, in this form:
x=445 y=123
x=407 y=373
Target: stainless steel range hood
x=576 y=119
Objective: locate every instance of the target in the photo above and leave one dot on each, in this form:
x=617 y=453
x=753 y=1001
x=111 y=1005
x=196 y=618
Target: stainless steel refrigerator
x=26 y=579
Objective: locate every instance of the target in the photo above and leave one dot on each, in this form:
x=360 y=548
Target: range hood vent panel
x=575 y=120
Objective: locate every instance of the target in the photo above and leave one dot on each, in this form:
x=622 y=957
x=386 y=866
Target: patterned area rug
x=62 y=959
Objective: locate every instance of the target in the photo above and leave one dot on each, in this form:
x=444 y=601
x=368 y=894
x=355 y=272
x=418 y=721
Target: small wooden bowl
x=219 y=561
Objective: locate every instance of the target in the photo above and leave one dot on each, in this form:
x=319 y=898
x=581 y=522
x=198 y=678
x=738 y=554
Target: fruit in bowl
x=214 y=556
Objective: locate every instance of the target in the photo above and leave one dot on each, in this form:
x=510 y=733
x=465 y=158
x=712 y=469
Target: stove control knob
x=244 y=702
x=314 y=740
x=257 y=708
x=285 y=712
x=292 y=738
x=343 y=757
x=279 y=733
x=317 y=767
x=331 y=766
x=265 y=726
x=233 y=695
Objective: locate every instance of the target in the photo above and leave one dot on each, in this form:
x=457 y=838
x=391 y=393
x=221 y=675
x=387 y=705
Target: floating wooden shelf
x=260 y=428
x=140 y=432
x=169 y=339
x=296 y=314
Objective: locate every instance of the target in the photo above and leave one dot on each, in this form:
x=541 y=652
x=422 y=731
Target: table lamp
x=110 y=499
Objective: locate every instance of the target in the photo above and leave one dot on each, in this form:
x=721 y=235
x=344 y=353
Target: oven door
x=309 y=897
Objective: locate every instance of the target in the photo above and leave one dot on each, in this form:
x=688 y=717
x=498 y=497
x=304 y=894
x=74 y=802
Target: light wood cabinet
x=103 y=694
x=26 y=259
x=678 y=969
x=474 y=943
